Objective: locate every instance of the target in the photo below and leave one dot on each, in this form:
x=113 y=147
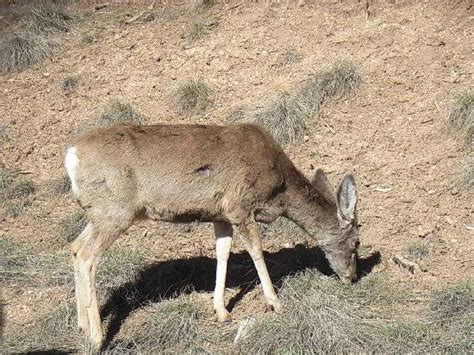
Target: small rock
x=424 y=231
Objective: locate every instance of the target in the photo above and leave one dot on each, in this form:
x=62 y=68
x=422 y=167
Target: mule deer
x=233 y=176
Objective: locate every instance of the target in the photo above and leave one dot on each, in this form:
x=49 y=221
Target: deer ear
x=347 y=197
x=321 y=184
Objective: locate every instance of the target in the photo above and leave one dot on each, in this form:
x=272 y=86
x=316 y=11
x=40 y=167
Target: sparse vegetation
x=60 y=186
x=417 y=251
x=48 y=16
x=461 y=115
x=197 y=30
x=15 y=192
x=68 y=85
x=287 y=57
x=117 y=112
x=117 y=267
x=192 y=95
x=169 y=326
x=200 y=6
x=72 y=226
x=286 y=116
x=20 y=50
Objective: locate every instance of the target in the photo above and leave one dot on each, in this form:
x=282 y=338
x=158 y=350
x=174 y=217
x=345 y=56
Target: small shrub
x=68 y=85
x=417 y=251
x=117 y=112
x=197 y=30
x=22 y=189
x=60 y=186
x=47 y=16
x=287 y=116
x=20 y=50
x=200 y=6
x=72 y=226
x=462 y=113
x=192 y=95
x=287 y=57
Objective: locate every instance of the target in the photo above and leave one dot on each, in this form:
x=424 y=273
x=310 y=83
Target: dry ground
x=414 y=59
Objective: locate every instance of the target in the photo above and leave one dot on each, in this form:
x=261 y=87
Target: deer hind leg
x=223 y=232
x=250 y=234
x=86 y=254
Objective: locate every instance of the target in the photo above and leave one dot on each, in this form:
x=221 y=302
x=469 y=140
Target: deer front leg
x=252 y=239
x=223 y=232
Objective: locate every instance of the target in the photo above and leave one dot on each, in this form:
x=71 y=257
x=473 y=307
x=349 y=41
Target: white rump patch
x=71 y=161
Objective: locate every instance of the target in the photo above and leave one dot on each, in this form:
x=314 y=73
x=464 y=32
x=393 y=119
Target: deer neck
x=310 y=211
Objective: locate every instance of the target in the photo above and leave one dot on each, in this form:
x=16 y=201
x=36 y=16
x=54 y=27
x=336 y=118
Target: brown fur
x=233 y=175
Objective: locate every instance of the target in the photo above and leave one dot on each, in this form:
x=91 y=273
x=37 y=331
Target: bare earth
x=392 y=133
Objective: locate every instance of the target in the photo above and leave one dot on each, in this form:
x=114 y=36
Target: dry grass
x=192 y=96
x=417 y=251
x=20 y=50
x=200 y=6
x=68 y=85
x=170 y=326
x=461 y=115
x=15 y=192
x=35 y=42
x=71 y=226
x=197 y=30
x=287 y=116
x=60 y=186
x=116 y=112
x=48 y=16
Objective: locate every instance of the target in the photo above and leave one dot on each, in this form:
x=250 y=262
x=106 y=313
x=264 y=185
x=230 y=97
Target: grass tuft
x=197 y=30
x=47 y=16
x=461 y=115
x=417 y=251
x=15 y=192
x=117 y=112
x=200 y=6
x=20 y=50
x=453 y=302
x=72 y=226
x=286 y=116
x=169 y=326
x=60 y=186
x=68 y=85
x=192 y=95
x=326 y=316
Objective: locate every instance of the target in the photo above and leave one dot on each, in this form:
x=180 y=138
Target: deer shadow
x=170 y=278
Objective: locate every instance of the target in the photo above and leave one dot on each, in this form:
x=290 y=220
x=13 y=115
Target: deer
x=234 y=176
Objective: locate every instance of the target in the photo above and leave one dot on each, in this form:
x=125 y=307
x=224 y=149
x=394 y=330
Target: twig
x=411 y=266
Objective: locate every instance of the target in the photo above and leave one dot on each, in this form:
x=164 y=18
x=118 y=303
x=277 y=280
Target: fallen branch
x=411 y=266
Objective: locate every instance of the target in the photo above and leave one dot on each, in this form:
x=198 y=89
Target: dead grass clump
x=468 y=171
x=60 y=186
x=417 y=251
x=453 y=302
x=68 y=85
x=286 y=116
x=72 y=226
x=325 y=316
x=117 y=267
x=15 y=192
x=170 y=326
x=287 y=57
x=192 y=95
x=117 y=112
x=48 y=16
x=461 y=115
x=20 y=50
x=20 y=264
x=200 y=6
x=197 y=30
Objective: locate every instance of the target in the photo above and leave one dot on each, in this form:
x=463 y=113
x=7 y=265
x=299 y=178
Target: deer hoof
x=224 y=316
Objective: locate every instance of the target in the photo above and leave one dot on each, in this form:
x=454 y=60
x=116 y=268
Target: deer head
x=341 y=247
